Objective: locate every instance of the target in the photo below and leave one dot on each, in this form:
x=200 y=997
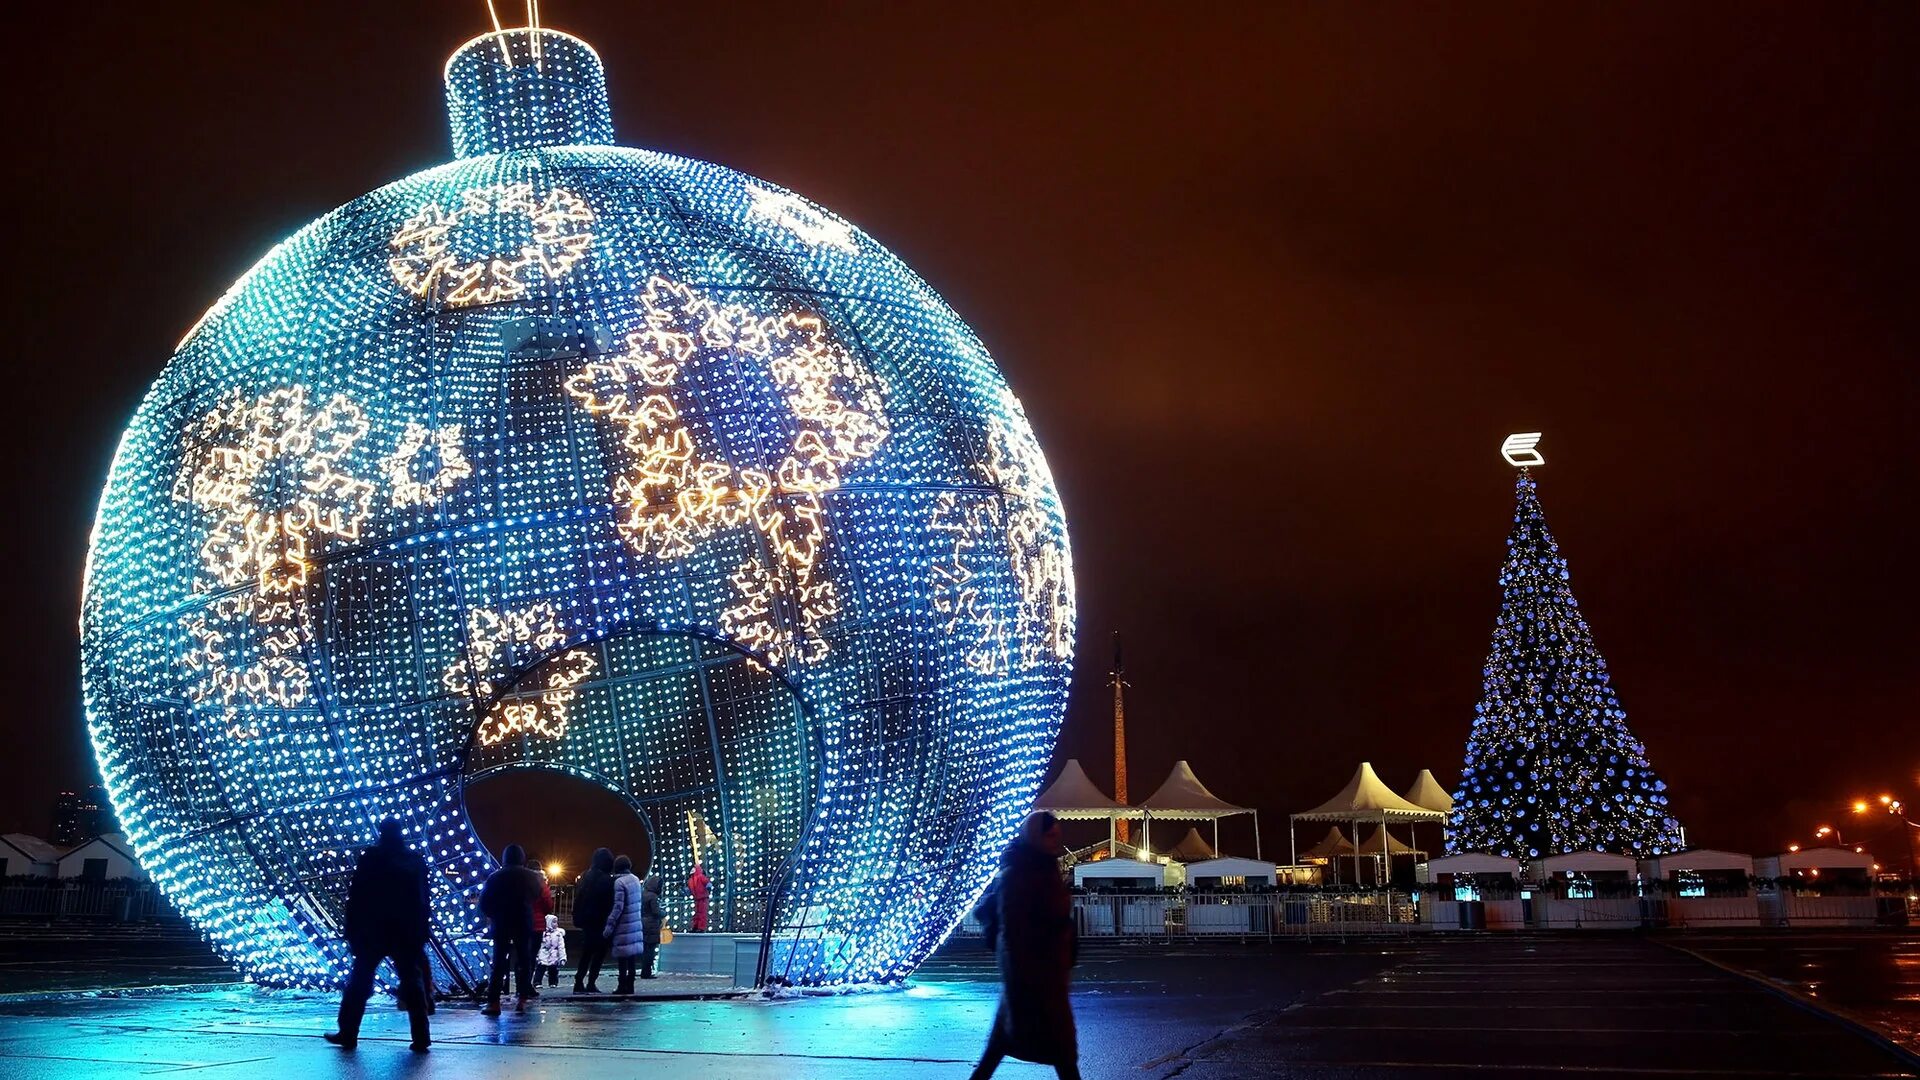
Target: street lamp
x=1828 y=830
x=1897 y=810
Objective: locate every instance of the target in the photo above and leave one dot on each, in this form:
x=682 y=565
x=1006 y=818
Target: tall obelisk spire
x=1118 y=679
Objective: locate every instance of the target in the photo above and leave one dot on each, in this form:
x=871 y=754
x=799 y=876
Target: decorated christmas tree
x=1551 y=766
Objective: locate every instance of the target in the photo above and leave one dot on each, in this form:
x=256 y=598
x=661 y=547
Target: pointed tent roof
x=1371 y=845
x=1427 y=793
x=1367 y=798
x=1182 y=796
x=1333 y=847
x=1191 y=848
x=1096 y=852
x=1073 y=796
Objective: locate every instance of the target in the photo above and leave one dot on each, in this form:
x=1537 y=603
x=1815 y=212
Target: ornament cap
x=524 y=88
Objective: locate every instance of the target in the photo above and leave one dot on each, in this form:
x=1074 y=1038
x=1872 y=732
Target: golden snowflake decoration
x=956 y=595
x=451 y=468
x=270 y=471
x=673 y=496
x=535 y=629
x=1013 y=520
x=788 y=211
x=271 y=474
x=274 y=672
x=425 y=264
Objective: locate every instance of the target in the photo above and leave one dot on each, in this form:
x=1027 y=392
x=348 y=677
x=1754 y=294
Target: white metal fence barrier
x=1166 y=916
x=1362 y=913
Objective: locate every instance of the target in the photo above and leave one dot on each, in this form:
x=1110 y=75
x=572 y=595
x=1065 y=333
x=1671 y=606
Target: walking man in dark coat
x=386 y=919
x=592 y=903
x=507 y=900
x=1029 y=917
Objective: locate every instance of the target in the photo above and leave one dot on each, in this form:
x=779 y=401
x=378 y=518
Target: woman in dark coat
x=386 y=918
x=592 y=901
x=1029 y=917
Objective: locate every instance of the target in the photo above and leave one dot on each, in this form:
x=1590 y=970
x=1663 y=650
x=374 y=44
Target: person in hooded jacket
x=653 y=915
x=1028 y=915
x=386 y=919
x=507 y=901
x=592 y=902
x=625 y=930
x=553 y=953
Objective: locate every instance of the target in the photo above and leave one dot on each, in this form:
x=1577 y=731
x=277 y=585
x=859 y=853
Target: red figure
x=697 y=885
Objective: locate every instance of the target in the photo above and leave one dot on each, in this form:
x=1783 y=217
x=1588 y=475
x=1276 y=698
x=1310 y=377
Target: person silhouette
x=1028 y=915
x=386 y=919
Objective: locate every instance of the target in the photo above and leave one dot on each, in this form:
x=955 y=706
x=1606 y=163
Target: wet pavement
x=1872 y=977
x=1427 y=1007
x=101 y=959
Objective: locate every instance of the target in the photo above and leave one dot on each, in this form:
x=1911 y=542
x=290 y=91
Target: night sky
x=1272 y=287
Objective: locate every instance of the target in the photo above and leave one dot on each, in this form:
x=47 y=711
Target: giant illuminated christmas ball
x=575 y=457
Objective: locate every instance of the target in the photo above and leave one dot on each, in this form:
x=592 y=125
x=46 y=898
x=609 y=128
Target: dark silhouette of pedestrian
x=1028 y=915
x=386 y=919
x=507 y=900
x=592 y=902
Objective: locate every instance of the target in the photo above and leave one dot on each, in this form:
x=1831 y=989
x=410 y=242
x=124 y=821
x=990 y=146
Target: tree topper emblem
x=1519 y=449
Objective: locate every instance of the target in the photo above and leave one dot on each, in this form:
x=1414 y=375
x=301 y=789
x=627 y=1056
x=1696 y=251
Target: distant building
x=102 y=858
x=81 y=815
x=27 y=856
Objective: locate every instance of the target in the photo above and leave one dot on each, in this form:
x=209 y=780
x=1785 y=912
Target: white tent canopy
x=1334 y=845
x=1427 y=793
x=1192 y=848
x=1182 y=797
x=1073 y=796
x=1374 y=844
x=1366 y=798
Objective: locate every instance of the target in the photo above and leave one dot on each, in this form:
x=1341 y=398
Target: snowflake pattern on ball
x=426 y=263
x=1013 y=522
x=494 y=637
x=674 y=495
x=451 y=465
x=270 y=473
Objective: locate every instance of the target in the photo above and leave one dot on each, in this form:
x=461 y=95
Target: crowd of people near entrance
x=621 y=917
x=1027 y=913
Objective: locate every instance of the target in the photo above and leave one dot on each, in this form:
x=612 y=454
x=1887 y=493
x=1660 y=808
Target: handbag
x=666 y=933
